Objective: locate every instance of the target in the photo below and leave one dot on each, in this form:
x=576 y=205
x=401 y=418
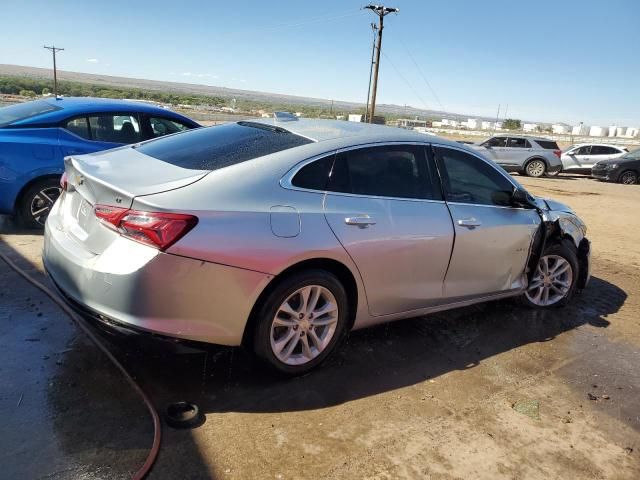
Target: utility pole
x=495 y=125
x=382 y=12
x=374 y=29
x=53 y=50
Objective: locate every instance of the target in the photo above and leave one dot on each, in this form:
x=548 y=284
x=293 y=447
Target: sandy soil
x=487 y=392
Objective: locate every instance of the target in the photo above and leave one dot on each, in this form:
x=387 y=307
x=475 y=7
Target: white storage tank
x=596 y=131
x=612 y=130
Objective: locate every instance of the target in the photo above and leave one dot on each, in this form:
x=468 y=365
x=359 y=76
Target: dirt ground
x=486 y=392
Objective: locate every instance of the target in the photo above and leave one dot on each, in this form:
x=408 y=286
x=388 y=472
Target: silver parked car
x=581 y=158
x=532 y=156
x=283 y=235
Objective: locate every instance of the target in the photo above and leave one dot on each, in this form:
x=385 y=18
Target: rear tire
x=294 y=335
x=628 y=177
x=37 y=201
x=535 y=168
x=555 y=279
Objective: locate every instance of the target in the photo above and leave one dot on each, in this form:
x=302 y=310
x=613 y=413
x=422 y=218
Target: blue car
x=36 y=136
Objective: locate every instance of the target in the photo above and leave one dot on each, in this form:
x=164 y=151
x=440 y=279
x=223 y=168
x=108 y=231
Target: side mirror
x=521 y=197
x=486 y=145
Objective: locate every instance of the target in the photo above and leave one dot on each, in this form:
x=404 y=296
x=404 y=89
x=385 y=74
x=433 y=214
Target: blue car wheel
x=37 y=201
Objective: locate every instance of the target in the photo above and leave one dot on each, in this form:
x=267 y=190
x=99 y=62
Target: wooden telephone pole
x=382 y=12
x=53 y=50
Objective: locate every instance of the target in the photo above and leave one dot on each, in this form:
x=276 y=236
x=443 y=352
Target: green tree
x=28 y=93
x=46 y=91
x=512 y=124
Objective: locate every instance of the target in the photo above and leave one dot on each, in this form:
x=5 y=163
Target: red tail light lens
x=558 y=153
x=63 y=182
x=157 y=229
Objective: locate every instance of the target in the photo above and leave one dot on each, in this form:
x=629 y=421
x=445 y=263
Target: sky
x=549 y=60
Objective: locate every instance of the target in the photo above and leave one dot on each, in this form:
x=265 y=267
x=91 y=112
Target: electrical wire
x=424 y=77
x=426 y=106
x=157 y=427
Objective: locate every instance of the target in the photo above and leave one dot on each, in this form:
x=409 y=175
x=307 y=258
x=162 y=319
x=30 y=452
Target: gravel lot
x=491 y=391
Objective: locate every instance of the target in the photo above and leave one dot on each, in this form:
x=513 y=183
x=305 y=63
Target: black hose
x=157 y=428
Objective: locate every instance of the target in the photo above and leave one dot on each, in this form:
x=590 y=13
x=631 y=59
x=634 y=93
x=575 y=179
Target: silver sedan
x=283 y=235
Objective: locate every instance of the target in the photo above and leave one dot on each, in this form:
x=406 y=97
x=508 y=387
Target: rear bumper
x=140 y=288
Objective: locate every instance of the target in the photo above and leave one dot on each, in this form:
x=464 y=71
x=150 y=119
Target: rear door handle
x=362 y=221
x=469 y=222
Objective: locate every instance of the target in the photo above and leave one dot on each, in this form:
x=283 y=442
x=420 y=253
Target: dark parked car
x=624 y=169
x=36 y=136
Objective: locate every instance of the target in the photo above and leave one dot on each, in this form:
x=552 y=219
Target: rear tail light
x=157 y=229
x=63 y=182
x=557 y=153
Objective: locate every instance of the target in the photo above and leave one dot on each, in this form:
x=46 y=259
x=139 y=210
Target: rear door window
x=603 y=150
x=115 y=128
x=585 y=150
x=163 y=126
x=496 y=142
x=79 y=126
x=518 y=143
x=223 y=145
x=315 y=175
x=397 y=171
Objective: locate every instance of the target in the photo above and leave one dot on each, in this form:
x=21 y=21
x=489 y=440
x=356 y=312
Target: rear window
x=22 y=111
x=548 y=144
x=216 y=147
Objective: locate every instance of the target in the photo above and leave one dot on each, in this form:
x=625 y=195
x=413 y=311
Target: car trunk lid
x=113 y=178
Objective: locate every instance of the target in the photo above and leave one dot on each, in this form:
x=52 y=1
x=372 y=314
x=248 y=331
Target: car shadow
x=223 y=379
x=371 y=361
x=10 y=226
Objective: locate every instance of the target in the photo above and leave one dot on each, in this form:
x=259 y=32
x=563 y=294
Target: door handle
x=469 y=222
x=362 y=221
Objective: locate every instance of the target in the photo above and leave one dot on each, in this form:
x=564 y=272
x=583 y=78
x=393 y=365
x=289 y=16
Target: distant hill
x=190 y=88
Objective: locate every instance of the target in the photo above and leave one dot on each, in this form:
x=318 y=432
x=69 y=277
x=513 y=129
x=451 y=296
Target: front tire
x=555 y=279
x=628 y=178
x=37 y=201
x=535 y=168
x=301 y=322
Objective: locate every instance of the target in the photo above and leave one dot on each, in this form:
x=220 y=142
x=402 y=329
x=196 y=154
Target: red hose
x=157 y=428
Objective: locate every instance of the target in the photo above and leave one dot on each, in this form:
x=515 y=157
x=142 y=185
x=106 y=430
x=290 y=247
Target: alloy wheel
x=551 y=282
x=42 y=203
x=304 y=325
x=629 y=178
x=535 y=168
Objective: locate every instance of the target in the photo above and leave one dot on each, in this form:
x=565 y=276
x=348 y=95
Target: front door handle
x=469 y=222
x=362 y=221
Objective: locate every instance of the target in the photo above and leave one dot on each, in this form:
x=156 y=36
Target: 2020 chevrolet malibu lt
x=36 y=136
x=283 y=235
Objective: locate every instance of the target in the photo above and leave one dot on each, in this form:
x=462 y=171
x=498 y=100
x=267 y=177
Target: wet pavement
x=439 y=396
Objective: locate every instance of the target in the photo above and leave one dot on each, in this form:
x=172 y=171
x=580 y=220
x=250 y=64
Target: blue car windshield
x=22 y=111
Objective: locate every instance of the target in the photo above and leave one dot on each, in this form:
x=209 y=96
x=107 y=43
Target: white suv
x=531 y=156
x=582 y=157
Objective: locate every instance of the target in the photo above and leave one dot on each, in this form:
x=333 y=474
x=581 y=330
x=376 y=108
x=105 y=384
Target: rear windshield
x=22 y=111
x=216 y=147
x=548 y=144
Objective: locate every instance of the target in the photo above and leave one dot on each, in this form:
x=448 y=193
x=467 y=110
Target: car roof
x=528 y=137
x=320 y=130
x=70 y=106
x=599 y=145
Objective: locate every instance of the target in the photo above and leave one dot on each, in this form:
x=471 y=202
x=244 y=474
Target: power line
x=53 y=50
x=426 y=106
x=424 y=77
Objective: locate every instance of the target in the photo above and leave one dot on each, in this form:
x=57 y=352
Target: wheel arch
x=29 y=184
x=339 y=269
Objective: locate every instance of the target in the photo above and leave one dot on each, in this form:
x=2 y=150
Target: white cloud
x=186 y=74
x=199 y=75
x=92 y=60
